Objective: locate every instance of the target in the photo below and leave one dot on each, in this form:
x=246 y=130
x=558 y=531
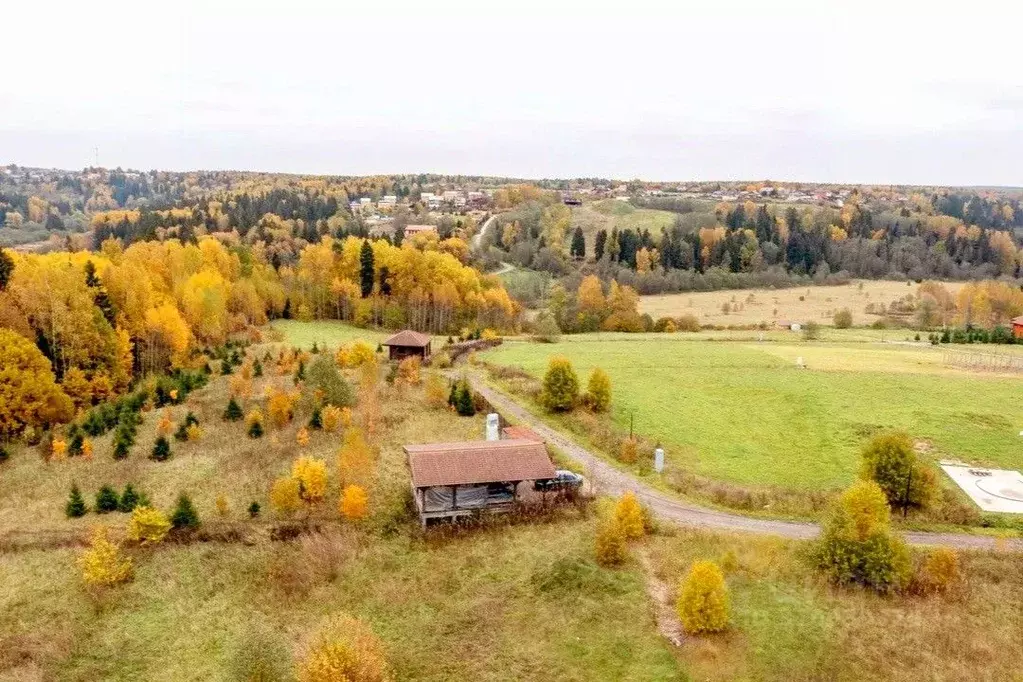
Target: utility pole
x=905 y=498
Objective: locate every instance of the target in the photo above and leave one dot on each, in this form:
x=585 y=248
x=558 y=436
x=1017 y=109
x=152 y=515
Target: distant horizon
x=536 y=179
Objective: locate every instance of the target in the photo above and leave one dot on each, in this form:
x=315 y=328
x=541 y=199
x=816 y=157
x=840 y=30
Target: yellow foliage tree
x=148 y=525
x=344 y=650
x=355 y=460
x=436 y=391
x=354 y=502
x=703 y=599
x=280 y=405
x=223 y=507
x=29 y=394
x=331 y=418
x=102 y=564
x=286 y=495
x=610 y=545
x=408 y=372
x=87 y=450
x=312 y=476
x=193 y=432
x=629 y=451
x=629 y=515
x=302 y=437
x=58 y=450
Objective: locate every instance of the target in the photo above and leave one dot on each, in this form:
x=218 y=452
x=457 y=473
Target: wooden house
x=450 y=480
x=1017 y=327
x=408 y=343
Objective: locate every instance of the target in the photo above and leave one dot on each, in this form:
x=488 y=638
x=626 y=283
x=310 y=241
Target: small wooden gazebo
x=407 y=343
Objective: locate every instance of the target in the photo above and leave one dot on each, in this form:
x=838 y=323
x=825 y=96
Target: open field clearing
x=609 y=213
x=797 y=304
x=745 y=413
x=327 y=333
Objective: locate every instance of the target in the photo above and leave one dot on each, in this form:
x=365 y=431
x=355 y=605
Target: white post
x=659 y=460
x=493 y=426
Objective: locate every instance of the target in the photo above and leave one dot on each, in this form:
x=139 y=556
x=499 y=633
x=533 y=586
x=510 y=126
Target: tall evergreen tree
x=6 y=268
x=598 y=244
x=366 y=271
x=578 y=248
x=75 y=504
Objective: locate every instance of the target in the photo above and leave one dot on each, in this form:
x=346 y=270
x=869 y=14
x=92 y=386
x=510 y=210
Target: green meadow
x=744 y=412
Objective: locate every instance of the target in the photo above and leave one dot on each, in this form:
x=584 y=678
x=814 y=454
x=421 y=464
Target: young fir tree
x=185 y=517
x=75 y=444
x=256 y=429
x=316 y=419
x=106 y=500
x=300 y=373
x=465 y=407
x=161 y=449
x=233 y=413
x=129 y=500
x=75 y=507
x=182 y=432
x=122 y=444
x=257 y=368
x=191 y=419
x=225 y=367
x=316 y=348
x=253 y=510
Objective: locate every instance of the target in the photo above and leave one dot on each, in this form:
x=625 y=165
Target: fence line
x=991 y=362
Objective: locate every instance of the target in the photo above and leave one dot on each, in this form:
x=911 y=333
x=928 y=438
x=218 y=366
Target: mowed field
x=771 y=306
x=744 y=412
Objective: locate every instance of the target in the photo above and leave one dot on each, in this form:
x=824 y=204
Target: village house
x=412 y=230
x=452 y=480
x=1017 y=327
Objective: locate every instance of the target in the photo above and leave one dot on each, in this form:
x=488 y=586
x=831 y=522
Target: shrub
x=436 y=391
x=106 y=500
x=193 y=432
x=122 y=445
x=560 y=386
x=75 y=507
x=441 y=360
x=611 y=549
x=598 y=390
x=102 y=564
x=185 y=517
x=703 y=599
x=233 y=413
x=253 y=509
x=546 y=329
x=222 y=505
x=688 y=323
x=129 y=500
x=316 y=418
x=161 y=449
x=286 y=495
x=354 y=502
x=181 y=434
x=344 y=649
x=843 y=319
x=629 y=451
x=811 y=331
x=890 y=461
x=326 y=378
x=312 y=477
x=255 y=422
x=629 y=516
x=148 y=525
x=355 y=355
x=58 y=450
x=939 y=571
x=4 y=455
x=355 y=460
x=408 y=371
x=331 y=418
x=856 y=545
x=261 y=656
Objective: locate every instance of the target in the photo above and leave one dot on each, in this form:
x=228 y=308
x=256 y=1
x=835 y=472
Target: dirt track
x=610 y=480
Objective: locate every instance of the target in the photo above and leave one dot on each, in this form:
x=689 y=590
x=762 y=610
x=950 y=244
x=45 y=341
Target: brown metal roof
x=475 y=462
x=521 y=433
x=407 y=337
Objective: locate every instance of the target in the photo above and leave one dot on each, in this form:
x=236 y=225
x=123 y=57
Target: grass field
x=798 y=304
x=326 y=333
x=744 y=413
x=467 y=607
x=609 y=213
x=508 y=602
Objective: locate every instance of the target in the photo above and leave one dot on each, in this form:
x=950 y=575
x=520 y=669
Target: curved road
x=608 y=479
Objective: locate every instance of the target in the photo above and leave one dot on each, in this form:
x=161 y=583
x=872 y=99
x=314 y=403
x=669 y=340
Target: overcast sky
x=872 y=92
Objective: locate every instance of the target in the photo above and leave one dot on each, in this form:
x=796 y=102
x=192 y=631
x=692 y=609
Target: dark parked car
x=563 y=480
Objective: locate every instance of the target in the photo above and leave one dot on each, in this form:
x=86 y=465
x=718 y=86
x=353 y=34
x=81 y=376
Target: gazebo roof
x=408 y=338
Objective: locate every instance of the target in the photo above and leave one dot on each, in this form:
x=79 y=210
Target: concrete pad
x=993 y=490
